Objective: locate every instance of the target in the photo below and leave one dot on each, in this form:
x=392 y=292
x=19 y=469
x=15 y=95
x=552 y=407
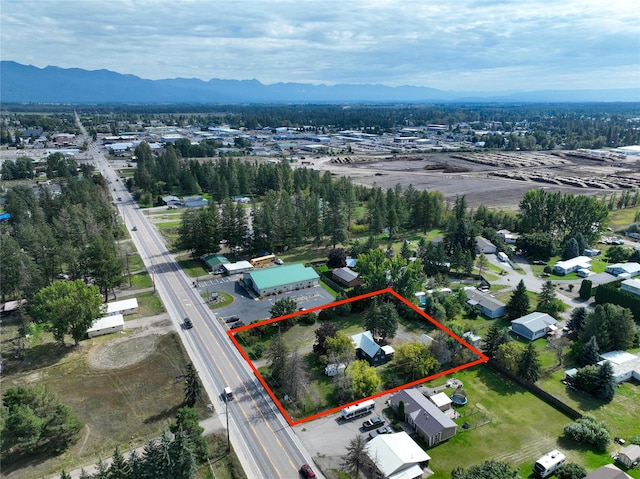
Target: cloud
x=462 y=45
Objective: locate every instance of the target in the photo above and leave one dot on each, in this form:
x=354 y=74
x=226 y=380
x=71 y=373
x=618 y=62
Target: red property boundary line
x=482 y=358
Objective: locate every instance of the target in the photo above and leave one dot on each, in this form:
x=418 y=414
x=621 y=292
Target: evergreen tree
x=606 y=387
x=187 y=421
x=571 y=249
x=192 y=386
x=64 y=475
x=546 y=299
x=119 y=468
x=577 y=319
x=495 y=336
x=585 y=289
x=518 y=305
x=182 y=463
x=590 y=353
x=356 y=457
x=529 y=367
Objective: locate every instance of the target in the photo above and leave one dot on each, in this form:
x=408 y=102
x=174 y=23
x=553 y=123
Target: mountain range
x=28 y=84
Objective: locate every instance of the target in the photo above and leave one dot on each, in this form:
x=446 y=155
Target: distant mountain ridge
x=28 y=84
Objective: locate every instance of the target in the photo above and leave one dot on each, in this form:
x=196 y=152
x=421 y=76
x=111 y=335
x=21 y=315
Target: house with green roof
x=215 y=261
x=279 y=279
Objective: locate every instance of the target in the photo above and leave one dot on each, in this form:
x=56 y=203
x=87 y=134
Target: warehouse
x=284 y=278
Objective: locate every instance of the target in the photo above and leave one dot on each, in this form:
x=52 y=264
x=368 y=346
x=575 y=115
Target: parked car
x=187 y=323
x=232 y=319
x=278 y=261
x=307 y=471
x=380 y=430
x=373 y=423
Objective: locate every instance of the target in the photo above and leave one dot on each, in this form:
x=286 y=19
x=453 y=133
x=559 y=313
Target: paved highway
x=264 y=442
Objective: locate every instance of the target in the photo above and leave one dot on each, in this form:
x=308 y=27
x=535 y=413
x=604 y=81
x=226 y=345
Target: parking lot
x=249 y=309
x=327 y=438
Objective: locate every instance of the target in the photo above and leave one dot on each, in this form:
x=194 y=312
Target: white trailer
x=548 y=464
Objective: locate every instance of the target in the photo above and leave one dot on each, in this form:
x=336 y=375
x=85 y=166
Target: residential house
x=472 y=339
x=629 y=456
x=625 y=365
x=431 y=424
x=631 y=286
x=346 y=277
x=106 y=325
x=534 y=325
x=608 y=471
x=630 y=269
x=571 y=265
x=485 y=246
x=125 y=306
x=397 y=456
x=369 y=350
x=489 y=306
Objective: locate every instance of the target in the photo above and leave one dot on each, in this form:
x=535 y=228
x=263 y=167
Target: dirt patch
x=122 y=352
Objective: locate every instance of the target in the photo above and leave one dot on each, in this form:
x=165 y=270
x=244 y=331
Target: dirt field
x=497 y=180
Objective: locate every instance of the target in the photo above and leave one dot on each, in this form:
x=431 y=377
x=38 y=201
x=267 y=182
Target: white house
x=534 y=325
x=631 y=286
x=571 y=265
x=125 y=306
x=631 y=269
x=106 y=325
x=237 y=267
x=397 y=456
x=485 y=246
x=508 y=237
x=625 y=365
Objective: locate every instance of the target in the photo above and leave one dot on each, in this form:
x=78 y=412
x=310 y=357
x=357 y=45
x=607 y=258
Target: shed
x=346 y=276
x=441 y=400
x=629 y=456
x=106 y=325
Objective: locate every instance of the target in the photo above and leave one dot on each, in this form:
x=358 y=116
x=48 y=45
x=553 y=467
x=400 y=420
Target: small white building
x=106 y=325
x=629 y=456
x=125 y=306
x=571 y=265
x=237 y=267
x=625 y=365
x=441 y=400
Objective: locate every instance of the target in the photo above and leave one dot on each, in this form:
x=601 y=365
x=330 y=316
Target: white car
x=278 y=261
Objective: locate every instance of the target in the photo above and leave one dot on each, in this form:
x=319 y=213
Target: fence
x=536 y=391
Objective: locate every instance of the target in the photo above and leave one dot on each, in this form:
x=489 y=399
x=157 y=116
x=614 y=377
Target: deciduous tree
x=69 y=307
x=364 y=379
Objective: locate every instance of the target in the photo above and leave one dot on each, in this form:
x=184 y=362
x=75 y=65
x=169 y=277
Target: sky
x=461 y=45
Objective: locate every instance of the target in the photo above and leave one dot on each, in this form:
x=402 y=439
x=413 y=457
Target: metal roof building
x=282 y=278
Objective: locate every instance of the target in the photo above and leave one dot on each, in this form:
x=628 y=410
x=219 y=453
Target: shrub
x=587 y=430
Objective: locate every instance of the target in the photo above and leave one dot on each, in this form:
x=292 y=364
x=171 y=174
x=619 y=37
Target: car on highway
x=307 y=471
x=135 y=228
x=373 y=423
x=187 y=323
x=119 y=198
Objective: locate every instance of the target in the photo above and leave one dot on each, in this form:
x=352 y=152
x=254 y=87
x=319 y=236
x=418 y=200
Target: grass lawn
x=521 y=429
x=193 y=267
x=124 y=407
x=619 y=219
x=148 y=305
x=224 y=299
x=141 y=280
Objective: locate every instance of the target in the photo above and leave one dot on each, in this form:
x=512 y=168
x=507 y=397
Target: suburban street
x=264 y=442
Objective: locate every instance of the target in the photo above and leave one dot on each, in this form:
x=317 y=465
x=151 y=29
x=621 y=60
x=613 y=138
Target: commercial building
x=397 y=456
x=288 y=277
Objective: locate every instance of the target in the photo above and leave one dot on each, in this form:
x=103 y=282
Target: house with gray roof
x=369 y=350
x=489 y=306
x=534 y=325
x=608 y=471
x=431 y=424
x=483 y=245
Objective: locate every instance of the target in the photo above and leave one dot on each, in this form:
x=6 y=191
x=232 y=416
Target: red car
x=307 y=471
